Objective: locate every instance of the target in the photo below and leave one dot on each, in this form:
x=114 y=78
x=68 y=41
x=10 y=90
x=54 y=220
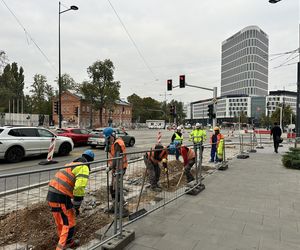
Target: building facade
x=281 y=97
x=244 y=67
x=118 y=115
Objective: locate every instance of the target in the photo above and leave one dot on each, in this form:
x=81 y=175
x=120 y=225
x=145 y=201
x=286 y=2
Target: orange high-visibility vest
x=162 y=155
x=191 y=154
x=64 y=180
x=113 y=151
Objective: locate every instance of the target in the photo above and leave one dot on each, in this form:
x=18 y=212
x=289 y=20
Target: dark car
x=78 y=135
x=97 y=138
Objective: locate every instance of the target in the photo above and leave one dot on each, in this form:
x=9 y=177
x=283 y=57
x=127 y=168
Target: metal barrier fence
x=25 y=217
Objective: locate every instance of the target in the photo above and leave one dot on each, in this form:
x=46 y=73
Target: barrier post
x=51 y=148
x=252 y=150
x=259 y=146
x=242 y=154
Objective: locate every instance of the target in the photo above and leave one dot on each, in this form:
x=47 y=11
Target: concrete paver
x=255 y=204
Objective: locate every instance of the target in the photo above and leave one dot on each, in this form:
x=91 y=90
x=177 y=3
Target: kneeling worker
x=152 y=161
x=65 y=194
x=189 y=159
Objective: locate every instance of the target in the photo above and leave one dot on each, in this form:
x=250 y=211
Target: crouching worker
x=65 y=194
x=153 y=160
x=189 y=159
x=116 y=165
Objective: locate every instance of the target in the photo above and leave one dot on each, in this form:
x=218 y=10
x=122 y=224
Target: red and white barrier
x=158 y=137
x=49 y=159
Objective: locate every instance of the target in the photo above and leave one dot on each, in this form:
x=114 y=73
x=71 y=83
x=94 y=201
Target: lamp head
x=73 y=7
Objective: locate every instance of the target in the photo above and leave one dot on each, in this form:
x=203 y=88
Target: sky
x=148 y=41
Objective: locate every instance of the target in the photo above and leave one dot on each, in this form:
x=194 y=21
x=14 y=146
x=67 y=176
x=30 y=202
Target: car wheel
x=131 y=142
x=14 y=154
x=64 y=149
x=93 y=146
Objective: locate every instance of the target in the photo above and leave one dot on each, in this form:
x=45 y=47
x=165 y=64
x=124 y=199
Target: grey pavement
x=255 y=204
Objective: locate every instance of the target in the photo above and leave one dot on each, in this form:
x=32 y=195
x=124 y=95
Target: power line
x=30 y=37
x=284 y=63
x=132 y=40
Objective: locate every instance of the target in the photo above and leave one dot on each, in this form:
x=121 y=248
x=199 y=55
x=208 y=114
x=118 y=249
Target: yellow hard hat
x=164 y=160
x=216 y=128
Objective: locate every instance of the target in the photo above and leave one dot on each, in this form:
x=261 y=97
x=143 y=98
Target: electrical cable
x=30 y=37
x=132 y=40
x=284 y=63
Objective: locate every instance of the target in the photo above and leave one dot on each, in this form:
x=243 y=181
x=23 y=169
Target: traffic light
x=169 y=84
x=56 y=107
x=210 y=111
x=76 y=111
x=182 y=81
x=171 y=110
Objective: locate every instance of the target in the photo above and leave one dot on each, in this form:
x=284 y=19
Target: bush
x=291 y=159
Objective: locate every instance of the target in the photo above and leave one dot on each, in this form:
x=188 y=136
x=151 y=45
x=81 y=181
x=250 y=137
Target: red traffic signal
x=182 y=81
x=169 y=84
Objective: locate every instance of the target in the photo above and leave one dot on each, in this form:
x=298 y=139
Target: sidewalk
x=255 y=204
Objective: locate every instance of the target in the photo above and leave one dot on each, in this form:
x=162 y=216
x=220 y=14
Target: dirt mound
x=36 y=227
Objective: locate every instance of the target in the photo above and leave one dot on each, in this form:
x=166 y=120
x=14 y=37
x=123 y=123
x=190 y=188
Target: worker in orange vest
x=65 y=195
x=116 y=149
x=189 y=159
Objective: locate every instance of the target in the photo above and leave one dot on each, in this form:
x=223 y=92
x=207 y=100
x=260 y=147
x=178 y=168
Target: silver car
x=19 y=142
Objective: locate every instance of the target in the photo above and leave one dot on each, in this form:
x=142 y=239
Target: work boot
x=156 y=189
x=73 y=244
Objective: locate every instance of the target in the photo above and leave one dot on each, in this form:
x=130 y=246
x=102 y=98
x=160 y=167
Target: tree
x=3 y=60
x=67 y=83
x=180 y=115
x=11 y=84
x=286 y=115
x=42 y=94
x=106 y=89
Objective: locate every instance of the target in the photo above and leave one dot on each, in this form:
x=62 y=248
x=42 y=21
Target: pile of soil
x=36 y=227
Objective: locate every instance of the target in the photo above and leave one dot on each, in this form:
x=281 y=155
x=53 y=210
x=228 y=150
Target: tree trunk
x=91 y=118
x=100 y=116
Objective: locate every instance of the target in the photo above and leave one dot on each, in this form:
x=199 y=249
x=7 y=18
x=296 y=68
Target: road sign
x=214 y=100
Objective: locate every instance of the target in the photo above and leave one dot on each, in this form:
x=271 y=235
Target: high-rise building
x=245 y=63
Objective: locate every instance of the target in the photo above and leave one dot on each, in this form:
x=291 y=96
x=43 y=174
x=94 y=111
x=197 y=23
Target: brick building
x=119 y=115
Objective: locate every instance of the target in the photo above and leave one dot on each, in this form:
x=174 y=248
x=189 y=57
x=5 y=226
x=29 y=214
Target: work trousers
x=154 y=172
x=213 y=154
x=64 y=218
x=187 y=170
x=112 y=187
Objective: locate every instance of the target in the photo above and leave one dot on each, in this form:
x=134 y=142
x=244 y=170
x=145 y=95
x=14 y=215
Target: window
x=45 y=133
x=1 y=130
x=76 y=131
x=24 y=132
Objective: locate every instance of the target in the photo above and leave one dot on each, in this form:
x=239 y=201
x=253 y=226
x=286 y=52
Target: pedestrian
x=276 y=132
x=213 y=142
x=116 y=148
x=189 y=159
x=153 y=160
x=65 y=195
x=198 y=135
x=177 y=140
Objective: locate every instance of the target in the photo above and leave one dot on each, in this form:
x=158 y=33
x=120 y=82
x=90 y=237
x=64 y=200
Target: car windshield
x=1 y=130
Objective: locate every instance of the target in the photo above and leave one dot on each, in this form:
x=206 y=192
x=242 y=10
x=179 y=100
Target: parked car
x=97 y=138
x=19 y=142
x=78 y=135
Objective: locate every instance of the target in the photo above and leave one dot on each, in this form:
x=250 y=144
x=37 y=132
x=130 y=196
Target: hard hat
x=108 y=132
x=216 y=128
x=179 y=128
x=197 y=124
x=89 y=153
x=164 y=160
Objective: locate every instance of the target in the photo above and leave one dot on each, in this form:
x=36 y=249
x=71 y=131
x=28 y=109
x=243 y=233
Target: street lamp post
x=73 y=7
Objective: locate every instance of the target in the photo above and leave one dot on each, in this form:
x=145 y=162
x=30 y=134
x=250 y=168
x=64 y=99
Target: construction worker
x=177 y=140
x=152 y=161
x=198 y=135
x=117 y=147
x=189 y=159
x=65 y=195
x=220 y=144
x=213 y=142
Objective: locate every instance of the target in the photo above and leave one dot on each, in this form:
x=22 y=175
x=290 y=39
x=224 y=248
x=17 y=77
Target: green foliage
x=67 y=83
x=286 y=115
x=105 y=89
x=291 y=159
x=42 y=94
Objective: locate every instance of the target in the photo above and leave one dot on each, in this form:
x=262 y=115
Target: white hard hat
x=197 y=124
x=178 y=128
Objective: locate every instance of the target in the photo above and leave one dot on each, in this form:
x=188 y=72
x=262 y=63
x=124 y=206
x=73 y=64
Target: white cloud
x=175 y=37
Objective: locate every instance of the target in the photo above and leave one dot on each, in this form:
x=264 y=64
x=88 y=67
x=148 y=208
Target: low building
x=280 y=97
x=77 y=111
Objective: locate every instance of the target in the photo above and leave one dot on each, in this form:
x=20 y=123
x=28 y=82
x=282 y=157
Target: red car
x=78 y=135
